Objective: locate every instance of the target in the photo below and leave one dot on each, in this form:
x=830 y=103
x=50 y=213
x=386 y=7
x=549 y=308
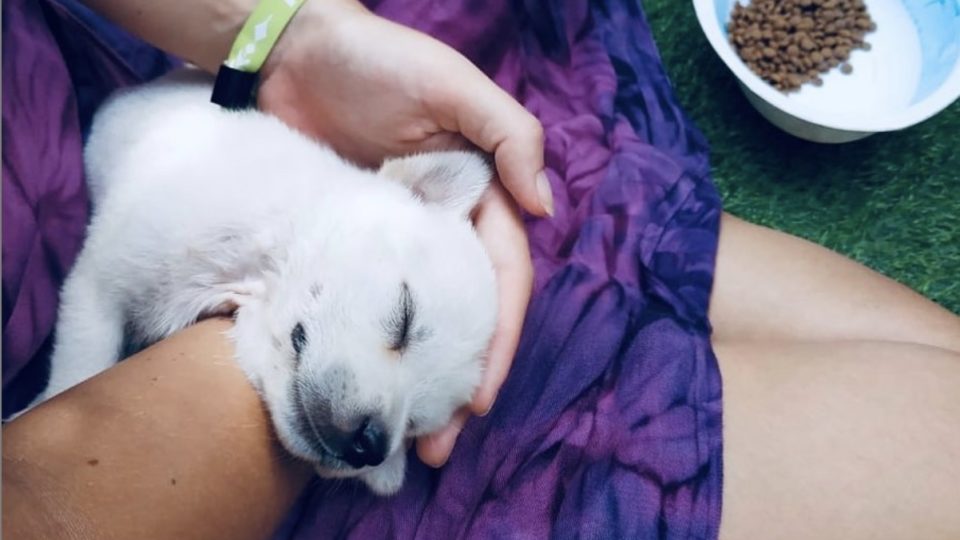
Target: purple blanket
x=609 y=425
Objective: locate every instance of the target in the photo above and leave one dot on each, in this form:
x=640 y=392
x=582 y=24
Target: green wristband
x=237 y=78
x=260 y=33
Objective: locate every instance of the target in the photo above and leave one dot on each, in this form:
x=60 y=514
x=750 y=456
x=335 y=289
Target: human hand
x=371 y=89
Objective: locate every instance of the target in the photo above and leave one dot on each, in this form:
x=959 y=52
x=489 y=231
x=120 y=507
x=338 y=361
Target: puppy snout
x=364 y=446
x=352 y=431
x=368 y=445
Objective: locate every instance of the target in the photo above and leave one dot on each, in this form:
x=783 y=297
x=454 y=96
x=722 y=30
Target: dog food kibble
x=792 y=42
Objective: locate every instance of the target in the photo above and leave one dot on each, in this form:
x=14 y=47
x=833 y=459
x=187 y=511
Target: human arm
x=171 y=443
x=368 y=98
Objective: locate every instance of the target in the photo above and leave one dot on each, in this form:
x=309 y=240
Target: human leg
x=770 y=286
x=840 y=395
x=840 y=440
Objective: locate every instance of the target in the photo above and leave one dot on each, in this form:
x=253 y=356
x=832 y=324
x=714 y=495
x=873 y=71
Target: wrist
x=319 y=18
x=225 y=20
x=238 y=76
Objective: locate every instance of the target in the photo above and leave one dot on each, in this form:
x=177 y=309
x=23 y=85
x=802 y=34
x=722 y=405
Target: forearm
x=171 y=443
x=199 y=31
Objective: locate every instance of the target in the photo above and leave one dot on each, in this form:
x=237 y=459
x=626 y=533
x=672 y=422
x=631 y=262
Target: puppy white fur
x=363 y=300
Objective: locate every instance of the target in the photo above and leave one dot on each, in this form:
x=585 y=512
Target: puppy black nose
x=368 y=447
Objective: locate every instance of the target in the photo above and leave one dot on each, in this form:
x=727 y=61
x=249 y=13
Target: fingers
x=502 y=233
x=434 y=449
x=491 y=119
x=514 y=293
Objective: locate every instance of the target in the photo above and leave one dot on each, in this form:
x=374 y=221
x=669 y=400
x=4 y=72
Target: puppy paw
x=387 y=478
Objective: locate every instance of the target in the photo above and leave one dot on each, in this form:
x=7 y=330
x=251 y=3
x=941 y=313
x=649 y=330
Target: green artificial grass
x=891 y=201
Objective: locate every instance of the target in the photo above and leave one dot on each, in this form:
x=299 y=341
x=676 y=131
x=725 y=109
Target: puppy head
x=379 y=317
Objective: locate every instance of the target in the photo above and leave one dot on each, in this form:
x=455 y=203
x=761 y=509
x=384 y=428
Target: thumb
x=519 y=160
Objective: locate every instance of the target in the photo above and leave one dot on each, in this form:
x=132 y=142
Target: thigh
x=842 y=440
x=800 y=291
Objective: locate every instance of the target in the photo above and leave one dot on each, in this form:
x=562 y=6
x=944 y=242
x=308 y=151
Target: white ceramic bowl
x=911 y=73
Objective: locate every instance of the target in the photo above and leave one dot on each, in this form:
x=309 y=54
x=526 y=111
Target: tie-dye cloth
x=609 y=425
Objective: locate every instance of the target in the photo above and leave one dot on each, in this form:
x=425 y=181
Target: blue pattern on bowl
x=938 y=25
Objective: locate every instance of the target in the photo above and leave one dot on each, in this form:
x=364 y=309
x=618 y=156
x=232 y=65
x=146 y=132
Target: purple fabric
x=609 y=425
x=59 y=62
x=44 y=201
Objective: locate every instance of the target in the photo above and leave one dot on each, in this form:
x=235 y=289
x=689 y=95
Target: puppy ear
x=241 y=266
x=452 y=179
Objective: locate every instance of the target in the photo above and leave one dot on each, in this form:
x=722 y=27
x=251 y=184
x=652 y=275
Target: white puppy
x=363 y=300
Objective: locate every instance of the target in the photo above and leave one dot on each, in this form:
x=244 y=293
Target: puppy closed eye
x=401 y=321
x=298 y=338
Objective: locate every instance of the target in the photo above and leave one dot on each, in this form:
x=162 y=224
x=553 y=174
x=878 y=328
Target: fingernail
x=545 y=193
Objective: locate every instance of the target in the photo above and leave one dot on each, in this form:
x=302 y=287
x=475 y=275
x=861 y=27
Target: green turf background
x=891 y=201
